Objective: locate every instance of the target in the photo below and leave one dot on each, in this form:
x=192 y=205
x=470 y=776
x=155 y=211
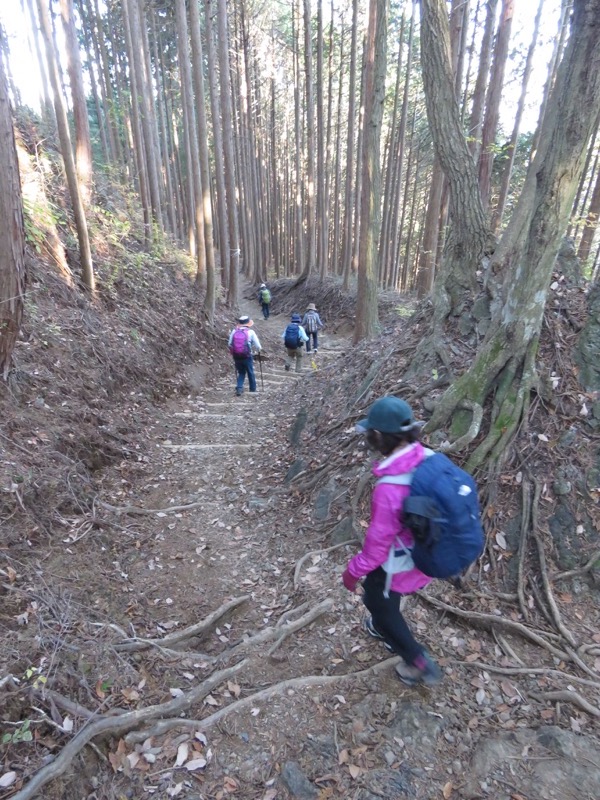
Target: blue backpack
x=291 y=338
x=442 y=511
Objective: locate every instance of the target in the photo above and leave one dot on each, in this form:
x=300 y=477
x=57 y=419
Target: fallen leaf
x=196 y=763
x=447 y=790
x=201 y=737
x=354 y=771
x=501 y=540
x=130 y=694
x=480 y=696
x=175 y=692
x=173 y=791
x=234 y=688
x=343 y=757
x=67 y=724
x=182 y=754
x=210 y=700
x=7 y=779
x=270 y=794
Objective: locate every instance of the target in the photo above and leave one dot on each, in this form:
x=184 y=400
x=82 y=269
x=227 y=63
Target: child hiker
x=391 y=429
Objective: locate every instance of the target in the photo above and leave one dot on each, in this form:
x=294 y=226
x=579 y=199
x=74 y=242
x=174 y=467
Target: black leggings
x=387 y=617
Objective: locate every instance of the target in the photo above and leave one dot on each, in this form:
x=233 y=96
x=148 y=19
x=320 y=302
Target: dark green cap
x=388 y=415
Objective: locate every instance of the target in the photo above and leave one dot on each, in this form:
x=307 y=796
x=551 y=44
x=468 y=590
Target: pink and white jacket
x=385 y=526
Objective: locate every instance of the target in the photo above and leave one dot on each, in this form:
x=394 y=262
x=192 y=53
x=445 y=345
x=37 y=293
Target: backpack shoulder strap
x=405 y=479
x=397 y=480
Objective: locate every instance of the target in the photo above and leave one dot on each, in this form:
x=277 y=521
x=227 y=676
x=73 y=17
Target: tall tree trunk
x=12 y=237
x=83 y=144
x=494 y=95
x=368 y=267
x=219 y=158
x=143 y=96
x=512 y=145
x=106 y=87
x=228 y=152
x=47 y=106
x=190 y=134
x=311 y=205
x=99 y=106
x=350 y=153
x=197 y=63
x=485 y=58
x=322 y=168
x=591 y=223
x=85 y=253
x=469 y=238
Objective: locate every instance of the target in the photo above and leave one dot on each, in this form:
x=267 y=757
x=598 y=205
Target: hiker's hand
x=349 y=581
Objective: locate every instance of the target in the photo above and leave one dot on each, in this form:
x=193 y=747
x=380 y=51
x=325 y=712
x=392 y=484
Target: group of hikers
x=301 y=333
x=425 y=518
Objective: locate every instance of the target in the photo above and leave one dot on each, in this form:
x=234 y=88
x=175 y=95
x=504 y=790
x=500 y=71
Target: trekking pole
x=262 y=380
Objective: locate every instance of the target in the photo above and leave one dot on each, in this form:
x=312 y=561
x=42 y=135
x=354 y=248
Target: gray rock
x=323 y=501
x=298 y=427
x=297 y=467
x=343 y=531
x=417 y=724
x=297 y=783
x=562 y=487
x=548 y=763
x=391 y=784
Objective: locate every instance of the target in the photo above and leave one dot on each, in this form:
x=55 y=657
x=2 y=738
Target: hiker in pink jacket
x=391 y=429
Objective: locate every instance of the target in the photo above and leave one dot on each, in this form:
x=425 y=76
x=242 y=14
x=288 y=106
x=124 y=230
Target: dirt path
x=210 y=534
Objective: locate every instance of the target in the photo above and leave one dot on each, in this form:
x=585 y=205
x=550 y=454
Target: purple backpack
x=240 y=344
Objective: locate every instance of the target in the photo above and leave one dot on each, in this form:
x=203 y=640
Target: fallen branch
x=490 y=620
x=166 y=725
x=301 y=561
x=117 y=726
x=525 y=514
x=132 y=645
x=567 y=696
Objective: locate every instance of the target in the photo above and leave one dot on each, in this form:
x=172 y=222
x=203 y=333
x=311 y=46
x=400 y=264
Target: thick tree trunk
x=12 y=238
x=469 y=239
x=505 y=363
x=591 y=223
x=311 y=204
x=368 y=264
x=350 y=153
x=485 y=57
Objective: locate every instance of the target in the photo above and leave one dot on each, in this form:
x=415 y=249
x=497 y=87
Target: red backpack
x=240 y=343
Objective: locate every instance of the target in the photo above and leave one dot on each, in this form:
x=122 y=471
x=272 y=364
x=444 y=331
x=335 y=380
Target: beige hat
x=311 y=307
x=245 y=321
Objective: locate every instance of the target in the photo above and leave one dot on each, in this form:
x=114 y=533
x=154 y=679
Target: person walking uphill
x=242 y=343
x=391 y=429
x=294 y=337
x=264 y=298
x=311 y=322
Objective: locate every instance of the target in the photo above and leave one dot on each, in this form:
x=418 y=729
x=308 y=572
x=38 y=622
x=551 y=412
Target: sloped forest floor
x=173 y=622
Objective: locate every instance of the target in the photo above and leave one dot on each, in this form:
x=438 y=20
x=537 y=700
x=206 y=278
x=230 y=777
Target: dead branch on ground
x=567 y=696
x=306 y=556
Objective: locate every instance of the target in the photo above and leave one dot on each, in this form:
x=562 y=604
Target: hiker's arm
x=255 y=341
x=380 y=535
x=302 y=333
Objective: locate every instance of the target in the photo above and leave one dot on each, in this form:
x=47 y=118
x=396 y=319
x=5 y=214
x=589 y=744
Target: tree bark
x=505 y=362
x=469 y=239
x=370 y=222
x=350 y=153
x=311 y=206
x=12 y=237
x=485 y=58
x=591 y=223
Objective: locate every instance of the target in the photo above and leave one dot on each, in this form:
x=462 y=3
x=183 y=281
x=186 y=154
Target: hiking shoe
x=372 y=631
x=239 y=392
x=315 y=350
x=423 y=670
x=287 y=367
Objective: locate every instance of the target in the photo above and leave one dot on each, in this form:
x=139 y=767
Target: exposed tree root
x=132 y=645
x=524 y=670
x=567 y=696
x=119 y=725
x=525 y=515
x=166 y=725
x=279 y=632
x=146 y=511
x=474 y=428
x=489 y=621
x=306 y=556
x=594 y=562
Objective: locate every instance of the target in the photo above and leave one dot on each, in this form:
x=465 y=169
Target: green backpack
x=265 y=296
